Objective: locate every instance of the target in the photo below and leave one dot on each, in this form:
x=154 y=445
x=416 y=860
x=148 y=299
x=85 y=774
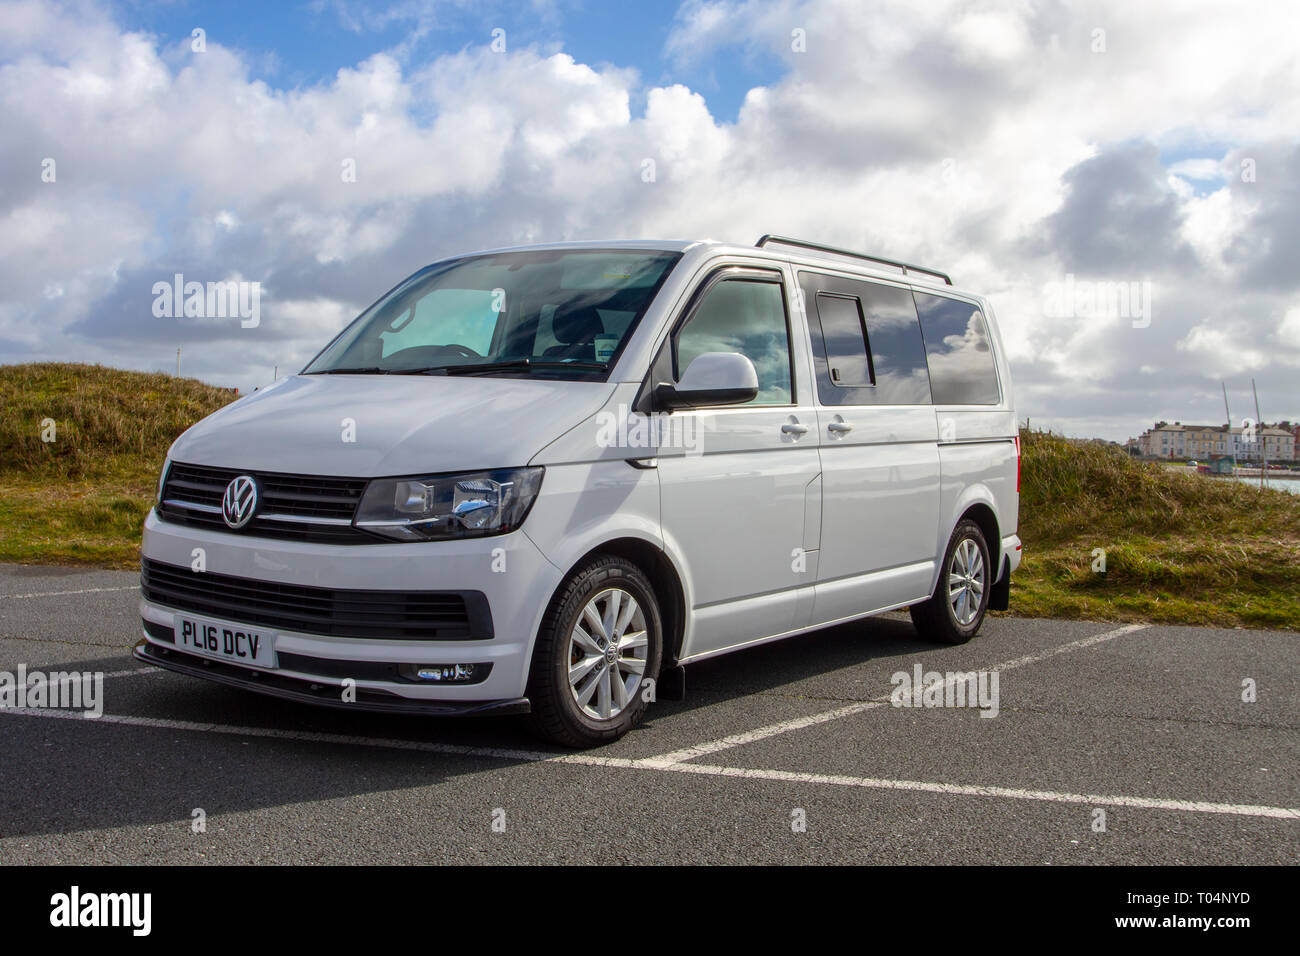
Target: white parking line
x=1050 y=796
x=41 y=594
x=75 y=676
x=305 y=736
x=658 y=764
x=761 y=733
x=136 y=672
x=799 y=723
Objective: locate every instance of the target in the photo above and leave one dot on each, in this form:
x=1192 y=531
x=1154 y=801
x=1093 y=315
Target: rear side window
x=962 y=371
x=867 y=342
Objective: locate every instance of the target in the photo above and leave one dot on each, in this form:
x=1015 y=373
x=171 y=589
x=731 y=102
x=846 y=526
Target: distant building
x=1207 y=442
x=1279 y=444
x=1163 y=441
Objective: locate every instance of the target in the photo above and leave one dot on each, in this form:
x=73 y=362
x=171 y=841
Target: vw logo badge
x=239 y=502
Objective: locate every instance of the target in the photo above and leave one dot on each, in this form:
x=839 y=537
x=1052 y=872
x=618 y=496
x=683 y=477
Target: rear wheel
x=601 y=639
x=954 y=613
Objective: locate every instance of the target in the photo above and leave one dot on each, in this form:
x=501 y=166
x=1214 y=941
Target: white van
x=540 y=480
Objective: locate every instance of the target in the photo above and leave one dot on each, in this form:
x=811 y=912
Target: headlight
x=449 y=506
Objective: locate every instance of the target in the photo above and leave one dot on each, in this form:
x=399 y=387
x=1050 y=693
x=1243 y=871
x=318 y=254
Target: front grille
x=392 y=615
x=298 y=507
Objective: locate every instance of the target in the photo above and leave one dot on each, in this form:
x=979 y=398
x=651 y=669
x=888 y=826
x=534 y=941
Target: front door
x=738 y=486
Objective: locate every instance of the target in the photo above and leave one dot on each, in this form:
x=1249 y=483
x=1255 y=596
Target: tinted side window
x=957 y=348
x=897 y=349
x=894 y=352
x=745 y=316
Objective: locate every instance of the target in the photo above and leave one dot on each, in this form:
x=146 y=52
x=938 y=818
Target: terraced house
x=1268 y=443
x=1164 y=440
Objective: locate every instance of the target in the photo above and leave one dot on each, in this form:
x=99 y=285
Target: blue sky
x=296 y=44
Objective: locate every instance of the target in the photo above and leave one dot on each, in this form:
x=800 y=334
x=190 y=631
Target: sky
x=1121 y=179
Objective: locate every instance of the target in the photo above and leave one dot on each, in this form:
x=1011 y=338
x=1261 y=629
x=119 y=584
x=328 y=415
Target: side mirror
x=713 y=378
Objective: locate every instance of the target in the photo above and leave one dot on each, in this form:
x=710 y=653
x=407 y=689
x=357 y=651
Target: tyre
x=954 y=613
x=601 y=638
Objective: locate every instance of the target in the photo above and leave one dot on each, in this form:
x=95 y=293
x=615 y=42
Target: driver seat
x=576 y=332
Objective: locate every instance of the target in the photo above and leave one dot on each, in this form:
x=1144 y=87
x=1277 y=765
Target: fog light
x=443 y=673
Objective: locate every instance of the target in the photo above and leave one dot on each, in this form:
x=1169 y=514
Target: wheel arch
x=664 y=577
x=983 y=515
x=977 y=504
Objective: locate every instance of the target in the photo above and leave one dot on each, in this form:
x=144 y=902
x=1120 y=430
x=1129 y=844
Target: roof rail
x=818 y=247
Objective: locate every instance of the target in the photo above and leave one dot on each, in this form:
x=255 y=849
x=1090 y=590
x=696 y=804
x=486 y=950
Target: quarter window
x=957 y=349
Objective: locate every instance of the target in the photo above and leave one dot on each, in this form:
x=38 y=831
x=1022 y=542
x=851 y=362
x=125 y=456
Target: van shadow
x=810 y=659
x=66 y=775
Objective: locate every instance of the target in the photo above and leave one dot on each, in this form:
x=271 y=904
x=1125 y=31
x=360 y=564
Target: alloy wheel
x=966 y=580
x=607 y=653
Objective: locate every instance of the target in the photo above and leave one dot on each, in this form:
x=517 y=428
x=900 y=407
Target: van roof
x=880 y=267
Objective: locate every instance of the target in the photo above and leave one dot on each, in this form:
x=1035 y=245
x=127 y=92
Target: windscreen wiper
x=470 y=369
x=513 y=364
x=371 y=370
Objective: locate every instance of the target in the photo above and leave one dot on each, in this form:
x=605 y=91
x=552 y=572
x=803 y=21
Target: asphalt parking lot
x=788 y=753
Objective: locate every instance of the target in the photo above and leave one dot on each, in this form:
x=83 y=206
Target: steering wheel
x=464 y=351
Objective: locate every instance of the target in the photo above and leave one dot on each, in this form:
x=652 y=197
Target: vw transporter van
x=541 y=480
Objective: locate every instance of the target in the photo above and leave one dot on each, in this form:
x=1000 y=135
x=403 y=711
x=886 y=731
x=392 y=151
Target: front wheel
x=602 y=637
x=954 y=613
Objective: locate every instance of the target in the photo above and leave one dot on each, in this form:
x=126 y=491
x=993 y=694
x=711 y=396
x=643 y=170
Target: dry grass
x=1180 y=548
x=81 y=499
x=106 y=420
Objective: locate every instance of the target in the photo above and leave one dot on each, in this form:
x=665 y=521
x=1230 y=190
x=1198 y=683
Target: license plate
x=224 y=641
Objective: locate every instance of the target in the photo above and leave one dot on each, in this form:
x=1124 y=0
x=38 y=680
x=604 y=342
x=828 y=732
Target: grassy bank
x=1179 y=548
x=81 y=498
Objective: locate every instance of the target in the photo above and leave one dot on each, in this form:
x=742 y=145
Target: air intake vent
x=390 y=615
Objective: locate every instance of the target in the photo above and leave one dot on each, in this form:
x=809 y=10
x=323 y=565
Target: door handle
x=839 y=428
x=794 y=428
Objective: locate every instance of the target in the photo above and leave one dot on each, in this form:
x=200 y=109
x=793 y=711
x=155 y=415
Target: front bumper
x=509 y=571
x=321 y=691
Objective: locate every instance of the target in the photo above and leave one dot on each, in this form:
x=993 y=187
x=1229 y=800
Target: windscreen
x=557 y=313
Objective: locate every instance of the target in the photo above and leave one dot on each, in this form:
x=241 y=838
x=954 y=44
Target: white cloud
x=1230 y=349
x=1201 y=169
x=988 y=140
x=1288 y=331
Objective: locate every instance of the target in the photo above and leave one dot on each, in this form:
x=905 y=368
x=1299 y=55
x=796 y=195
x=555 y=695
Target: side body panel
x=880 y=462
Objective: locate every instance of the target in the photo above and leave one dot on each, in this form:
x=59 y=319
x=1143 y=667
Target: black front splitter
x=323 y=693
